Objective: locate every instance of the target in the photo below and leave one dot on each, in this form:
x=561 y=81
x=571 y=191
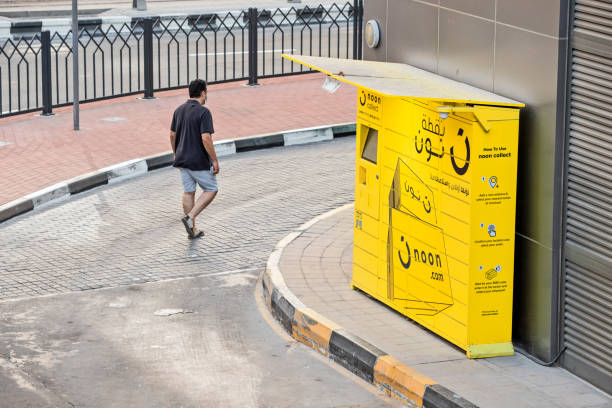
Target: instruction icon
x=493 y=181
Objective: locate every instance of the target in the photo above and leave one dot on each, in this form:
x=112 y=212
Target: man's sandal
x=188 y=223
x=197 y=235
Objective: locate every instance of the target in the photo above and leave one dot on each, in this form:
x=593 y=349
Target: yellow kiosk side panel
x=367 y=191
x=365 y=254
x=492 y=238
x=364 y=269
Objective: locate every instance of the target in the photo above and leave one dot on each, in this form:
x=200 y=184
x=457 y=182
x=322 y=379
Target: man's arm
x=172 y=137
x=210 y=149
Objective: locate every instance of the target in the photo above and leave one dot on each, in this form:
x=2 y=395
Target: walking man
x=194 y=154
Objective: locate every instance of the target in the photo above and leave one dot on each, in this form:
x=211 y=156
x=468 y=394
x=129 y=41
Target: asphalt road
x=173 y=322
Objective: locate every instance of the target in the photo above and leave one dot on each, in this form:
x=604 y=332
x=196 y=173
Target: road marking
x=231 y=272
x=171 y=312
x=114 y=119
x=242 y=52
x=4 y=144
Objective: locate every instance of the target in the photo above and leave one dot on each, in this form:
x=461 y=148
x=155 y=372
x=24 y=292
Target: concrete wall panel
x=532 y=312
x=481 y=8
x=466 y=49
x=413 y=34
x=526 y=70
x=541 y=16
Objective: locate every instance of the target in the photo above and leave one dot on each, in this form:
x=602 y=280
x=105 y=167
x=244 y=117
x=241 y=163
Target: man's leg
x=188 y=201
x=207 y=180
x=201 y=203
x=189 y=187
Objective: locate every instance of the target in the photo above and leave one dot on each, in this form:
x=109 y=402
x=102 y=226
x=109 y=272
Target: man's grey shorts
x=205 y=179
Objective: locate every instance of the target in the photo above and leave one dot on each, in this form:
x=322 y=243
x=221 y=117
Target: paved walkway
x=194 y=342
x=130 y=232
x=317 y=268
x=37 y=152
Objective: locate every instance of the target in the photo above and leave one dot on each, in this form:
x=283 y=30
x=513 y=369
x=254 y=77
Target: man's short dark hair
x=196 y=87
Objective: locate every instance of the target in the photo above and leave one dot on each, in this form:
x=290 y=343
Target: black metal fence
x=159 y=54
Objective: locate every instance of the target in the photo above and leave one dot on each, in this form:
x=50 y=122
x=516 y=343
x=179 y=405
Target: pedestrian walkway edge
x=341 y=346
x=139 y=166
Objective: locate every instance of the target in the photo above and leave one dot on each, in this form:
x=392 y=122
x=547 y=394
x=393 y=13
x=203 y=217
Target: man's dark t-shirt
x=190 y=120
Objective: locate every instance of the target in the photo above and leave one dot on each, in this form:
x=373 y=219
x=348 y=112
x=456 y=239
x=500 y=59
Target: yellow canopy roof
x=401 y=80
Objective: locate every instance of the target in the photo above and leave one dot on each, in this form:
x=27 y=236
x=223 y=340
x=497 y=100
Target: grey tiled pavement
x=317 y=267
x=131 y=232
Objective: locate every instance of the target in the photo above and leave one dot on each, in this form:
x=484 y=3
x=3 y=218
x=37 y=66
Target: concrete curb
x=136 y=167
x=350 y=351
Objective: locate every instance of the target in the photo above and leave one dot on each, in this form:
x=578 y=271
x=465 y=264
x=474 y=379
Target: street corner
x=340 y=345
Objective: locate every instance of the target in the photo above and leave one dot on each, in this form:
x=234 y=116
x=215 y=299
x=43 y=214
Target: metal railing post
x=45 y=51
x=355 y=29
x=252 y=46
x=148 y=58
x=75 y=65
x=360 y=35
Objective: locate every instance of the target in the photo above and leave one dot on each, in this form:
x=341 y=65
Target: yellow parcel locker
x=435 y=198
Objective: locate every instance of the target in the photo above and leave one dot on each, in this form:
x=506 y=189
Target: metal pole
x=250 y=52
x=355 y=23
x=360 y=35
x=75 y=63
x=148 y=58
x=253 y=47
x=45 y=49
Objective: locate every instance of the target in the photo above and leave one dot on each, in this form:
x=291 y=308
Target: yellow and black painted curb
x=136 y=167
x=350 y=351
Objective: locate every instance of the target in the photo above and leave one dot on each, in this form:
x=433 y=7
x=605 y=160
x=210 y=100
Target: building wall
x=518 y=49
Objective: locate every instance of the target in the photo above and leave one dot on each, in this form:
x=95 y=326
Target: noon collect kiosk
x=435 y=198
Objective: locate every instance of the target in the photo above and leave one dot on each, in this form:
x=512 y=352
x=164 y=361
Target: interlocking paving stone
x=130 y=232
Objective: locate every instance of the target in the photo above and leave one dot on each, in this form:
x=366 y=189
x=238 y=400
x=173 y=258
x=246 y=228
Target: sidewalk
x=317 y=268
x=37 y=152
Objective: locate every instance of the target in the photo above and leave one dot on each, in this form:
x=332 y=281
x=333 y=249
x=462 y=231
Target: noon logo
x=362 y=98
x=431 y=145
x=427 y=258
x=369 y=100
x=463 y=169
